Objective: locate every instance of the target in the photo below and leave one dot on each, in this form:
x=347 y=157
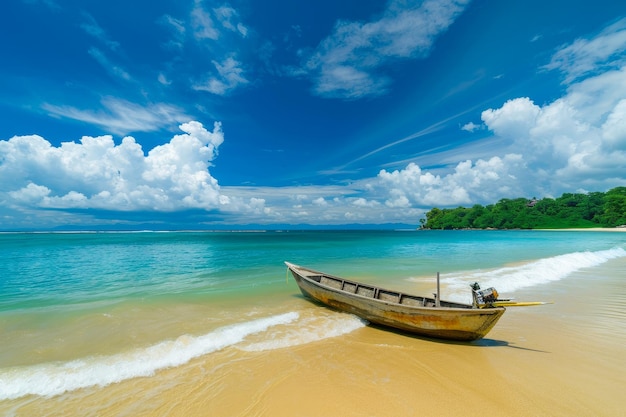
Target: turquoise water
x=120 y=302
x=46 y=270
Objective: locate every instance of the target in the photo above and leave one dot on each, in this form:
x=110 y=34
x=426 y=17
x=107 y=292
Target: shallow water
x=88 y=321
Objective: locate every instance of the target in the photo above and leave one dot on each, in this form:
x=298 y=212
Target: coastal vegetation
x=595 y=209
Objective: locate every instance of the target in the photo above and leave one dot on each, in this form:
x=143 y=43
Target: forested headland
x=595 y=209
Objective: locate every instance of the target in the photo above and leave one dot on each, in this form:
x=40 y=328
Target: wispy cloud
x=207 y=23
x=176 y=24
x=221 y=32
x=350 y=62
x=229 y=76
x=115 y=70
x=590 y=56
x=48 y=3
x=202 y=23
x=121 y=116
x=94 y=29
x=177 y=28
x=228 y=17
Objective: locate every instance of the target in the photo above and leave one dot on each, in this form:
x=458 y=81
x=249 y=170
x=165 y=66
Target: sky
x=202 y=114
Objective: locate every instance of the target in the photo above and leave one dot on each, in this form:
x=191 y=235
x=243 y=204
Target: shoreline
x=560 y=359
x=571 y=229
x=590 y=229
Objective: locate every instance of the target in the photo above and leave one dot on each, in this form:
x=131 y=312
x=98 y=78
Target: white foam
x=56 y=378
x=323 y=325
x=509 y=279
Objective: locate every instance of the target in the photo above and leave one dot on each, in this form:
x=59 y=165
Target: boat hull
x=418 y=315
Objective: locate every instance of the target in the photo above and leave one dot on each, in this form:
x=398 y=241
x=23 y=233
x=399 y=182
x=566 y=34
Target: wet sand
x=561 y=359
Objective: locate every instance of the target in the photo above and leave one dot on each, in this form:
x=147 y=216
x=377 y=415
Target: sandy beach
x=561 y=359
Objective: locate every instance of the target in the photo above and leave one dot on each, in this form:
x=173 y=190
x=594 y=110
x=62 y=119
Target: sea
x=83 y=312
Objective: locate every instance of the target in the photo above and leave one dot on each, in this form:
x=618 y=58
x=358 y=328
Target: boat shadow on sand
x=483 y=343
x=428 y=318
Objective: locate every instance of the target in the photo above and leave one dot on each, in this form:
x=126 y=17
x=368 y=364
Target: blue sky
x=210 y=114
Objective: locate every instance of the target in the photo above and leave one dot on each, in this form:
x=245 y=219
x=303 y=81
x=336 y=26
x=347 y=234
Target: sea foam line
x=56 y=378
x=323 y=325
x=509 y=279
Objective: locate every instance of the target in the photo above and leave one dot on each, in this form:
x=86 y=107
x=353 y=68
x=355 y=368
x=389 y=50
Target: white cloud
x=576 y=142
x=513 y=119
x=588 y=56
x=227 y=16
x=177 y=28
x=320 y=201
x=484 y=180
x=98 y=174
x=573 y=142
x=121 y=116
x=229 y=76
x=348 y=63
x=115 y=70
x=221 y=32
x=328 y=204
x=163 y=79
x=94 y=29
x=614 y=129
x=177 y=25
x=202 y=23
x=470 y=127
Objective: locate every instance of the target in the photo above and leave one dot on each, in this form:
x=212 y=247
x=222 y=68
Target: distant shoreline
x=590 y=229
x=573 y=229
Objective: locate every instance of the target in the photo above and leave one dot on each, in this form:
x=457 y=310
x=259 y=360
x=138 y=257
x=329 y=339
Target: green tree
x=570 y=210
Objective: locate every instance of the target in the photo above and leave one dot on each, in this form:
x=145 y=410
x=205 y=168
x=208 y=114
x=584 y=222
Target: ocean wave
x=542 y=271
x=56 y=378
x=324 y=325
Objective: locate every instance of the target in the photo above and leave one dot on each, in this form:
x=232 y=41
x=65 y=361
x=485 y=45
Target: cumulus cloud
x=349 y=63
x=121 y=116
x=513 y=119
x=614 y=129
x=96 y=173
x=484 y=180
x=574 y=143
x=470 y=127
x=577 y=140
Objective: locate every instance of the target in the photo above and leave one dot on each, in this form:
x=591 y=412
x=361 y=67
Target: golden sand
x=561 y=359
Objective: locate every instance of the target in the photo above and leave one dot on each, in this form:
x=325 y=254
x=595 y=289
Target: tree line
x=595 y=209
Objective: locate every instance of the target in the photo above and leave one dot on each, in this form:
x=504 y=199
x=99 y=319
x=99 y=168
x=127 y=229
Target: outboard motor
x=483 y=298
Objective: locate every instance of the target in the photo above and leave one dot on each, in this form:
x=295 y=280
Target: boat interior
x=369 y=291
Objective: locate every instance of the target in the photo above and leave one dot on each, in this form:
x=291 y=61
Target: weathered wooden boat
x=423 y=316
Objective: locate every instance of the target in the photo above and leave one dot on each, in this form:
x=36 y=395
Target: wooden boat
x=419 y=315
